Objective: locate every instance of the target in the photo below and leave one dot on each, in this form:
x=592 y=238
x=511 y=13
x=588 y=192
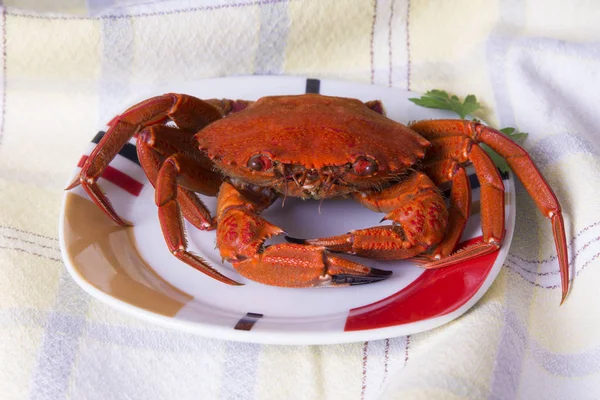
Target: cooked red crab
x=316 y=147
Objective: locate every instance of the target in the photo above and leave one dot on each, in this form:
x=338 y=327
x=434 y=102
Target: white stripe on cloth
x=382 y=359
x=240 y=371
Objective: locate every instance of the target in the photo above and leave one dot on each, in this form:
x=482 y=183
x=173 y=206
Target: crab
x=312 y=146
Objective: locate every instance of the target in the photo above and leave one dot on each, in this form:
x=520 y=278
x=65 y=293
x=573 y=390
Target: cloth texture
x=69 y=66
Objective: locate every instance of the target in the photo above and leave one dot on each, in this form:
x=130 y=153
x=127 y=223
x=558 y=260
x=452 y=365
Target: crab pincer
x=241 y=236
x=293 y=265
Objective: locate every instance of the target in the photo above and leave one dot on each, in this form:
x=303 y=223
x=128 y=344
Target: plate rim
x=290 y=337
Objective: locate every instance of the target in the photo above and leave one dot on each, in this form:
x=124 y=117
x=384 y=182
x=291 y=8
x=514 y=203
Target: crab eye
x=365 y=166
x=260 y=162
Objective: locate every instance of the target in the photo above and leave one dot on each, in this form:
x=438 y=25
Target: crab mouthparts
x=312 y=182
x=308 y=180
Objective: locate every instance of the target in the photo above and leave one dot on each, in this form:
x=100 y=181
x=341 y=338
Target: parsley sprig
x=441 y=100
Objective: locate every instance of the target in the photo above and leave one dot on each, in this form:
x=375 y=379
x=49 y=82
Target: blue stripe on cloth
x=117 y=59
x=3 y=69
x=510 y=351
x=55 y=362
x=274 y=30
x=65 y=324
x=512 y=14
x=98 y=6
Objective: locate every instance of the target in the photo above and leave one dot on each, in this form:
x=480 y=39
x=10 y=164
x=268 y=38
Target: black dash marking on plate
x=128 y=151
x=474 y=182
x=98 y=136
x=248 y=321
x=313 y=86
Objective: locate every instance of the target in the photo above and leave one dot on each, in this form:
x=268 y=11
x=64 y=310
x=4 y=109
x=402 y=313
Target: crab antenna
x=282 y=169
x=296 y=180
x=320 y=204
x=328 y=183
x=303 y=178
x=326 y=186
x=285 y=193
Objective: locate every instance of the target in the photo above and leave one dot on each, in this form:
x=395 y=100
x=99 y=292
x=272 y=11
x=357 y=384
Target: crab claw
x=380 y=243
x=241 y=236
x=345 y=272
x=375 y=275
x=293 y=265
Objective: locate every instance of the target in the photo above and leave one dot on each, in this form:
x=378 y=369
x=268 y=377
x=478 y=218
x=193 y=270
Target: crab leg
x=492 y=205
x=460 y=204
x=241 y=234
x=523 y=167
x=188 y=113
x=175 y=169
x=158 y=142
x=419 y=217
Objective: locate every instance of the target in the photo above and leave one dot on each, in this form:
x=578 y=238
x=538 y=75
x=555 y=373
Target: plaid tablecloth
x=67 y=68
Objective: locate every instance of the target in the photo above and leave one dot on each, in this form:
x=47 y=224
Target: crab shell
x=311 y=132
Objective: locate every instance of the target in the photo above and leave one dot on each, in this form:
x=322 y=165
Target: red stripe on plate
x=434 y=293
x=119 y=178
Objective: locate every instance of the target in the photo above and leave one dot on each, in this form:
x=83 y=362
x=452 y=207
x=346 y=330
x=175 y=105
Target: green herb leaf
x=441 y=100
x=507 y=131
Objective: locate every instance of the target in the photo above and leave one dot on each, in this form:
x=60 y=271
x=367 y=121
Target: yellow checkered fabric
x=68 y=67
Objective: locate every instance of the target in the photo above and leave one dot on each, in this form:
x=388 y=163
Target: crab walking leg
x=241 y=234
x=492 y=210
x=188 y=113
x=440 y=172
x=376 y=105
x=522 y=166
x=419 y=216
x=158 y=142
x=226 y=106
x=169 y=214
x=191 y=206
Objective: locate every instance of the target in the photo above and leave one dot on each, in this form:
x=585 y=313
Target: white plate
x=132 y=270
